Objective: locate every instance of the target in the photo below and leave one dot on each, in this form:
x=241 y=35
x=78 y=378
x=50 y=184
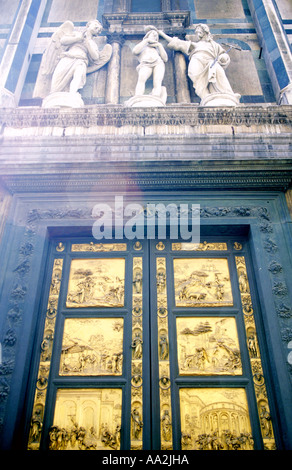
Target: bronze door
x=149 y=345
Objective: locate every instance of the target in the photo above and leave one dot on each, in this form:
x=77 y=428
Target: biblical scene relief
x=215 y=419
x=202 y=282
x=208 y=346
x=87 y=419
x=96 y=283
x=92 y=346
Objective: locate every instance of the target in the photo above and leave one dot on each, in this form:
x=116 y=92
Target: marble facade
x=58 y=159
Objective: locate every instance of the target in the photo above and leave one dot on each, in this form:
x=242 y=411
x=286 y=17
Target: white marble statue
x=152 y=57
x=70 y=56
x=207 y=61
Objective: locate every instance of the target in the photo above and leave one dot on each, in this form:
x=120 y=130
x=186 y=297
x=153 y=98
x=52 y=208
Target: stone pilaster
x=18 y=51
x=112 y=93
x=181 y=79
x=276 y=48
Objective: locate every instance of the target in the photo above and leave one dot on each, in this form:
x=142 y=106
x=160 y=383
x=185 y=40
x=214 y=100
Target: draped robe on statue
x=207 y=76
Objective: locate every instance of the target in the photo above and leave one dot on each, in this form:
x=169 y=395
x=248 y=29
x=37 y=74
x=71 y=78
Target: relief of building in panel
x=96 y=283
x=215 y=419
x=208 y=346
x=87 y=419
x=202 y=282
x=92 y=346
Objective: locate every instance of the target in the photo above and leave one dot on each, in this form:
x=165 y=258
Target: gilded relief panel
x=96 y=283
x=215 y=419
x=208 y=346
x=87 y=419
x=202 y=282
x=92 y=346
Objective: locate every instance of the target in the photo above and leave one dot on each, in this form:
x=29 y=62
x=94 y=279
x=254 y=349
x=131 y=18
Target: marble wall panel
x=219 y=9
x=74 y=10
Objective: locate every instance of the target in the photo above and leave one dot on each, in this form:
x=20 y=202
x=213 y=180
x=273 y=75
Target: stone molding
x=171 y=148
x=70 y=179
x=135 y=22
x=119 y=115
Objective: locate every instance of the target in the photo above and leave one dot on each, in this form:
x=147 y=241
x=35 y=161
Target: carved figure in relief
x=161 y=281
x=36 y=426
x=251 y=341
x=137 y=346
x=137 y=423
x=82 y=438
x=207 y=62
x=243 y=283
x=138 y=282
x=166 y=426
x=163 y=343
x=71 y=55
x=265 y=419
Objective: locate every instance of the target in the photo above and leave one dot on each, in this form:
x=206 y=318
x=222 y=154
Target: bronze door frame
x=153 y=379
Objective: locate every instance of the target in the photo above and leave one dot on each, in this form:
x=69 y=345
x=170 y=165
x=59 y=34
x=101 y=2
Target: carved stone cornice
x=135 y=22
x=148 y=177
x=172 y=148
x=118 y=115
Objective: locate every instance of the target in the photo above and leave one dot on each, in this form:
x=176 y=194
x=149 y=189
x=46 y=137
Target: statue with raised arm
x=152 y=57
x=70 y=56
x=207 y=63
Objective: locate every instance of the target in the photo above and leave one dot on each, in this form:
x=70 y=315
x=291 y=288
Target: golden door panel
x=96 y=283
x=87 y=419
x=208 y=346
x=92 y=346
x=202 y=282
x=215 y=419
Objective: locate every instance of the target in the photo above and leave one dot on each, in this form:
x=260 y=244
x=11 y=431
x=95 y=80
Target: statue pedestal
x=63 y=99
x=147 y=101
x=221 y=99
